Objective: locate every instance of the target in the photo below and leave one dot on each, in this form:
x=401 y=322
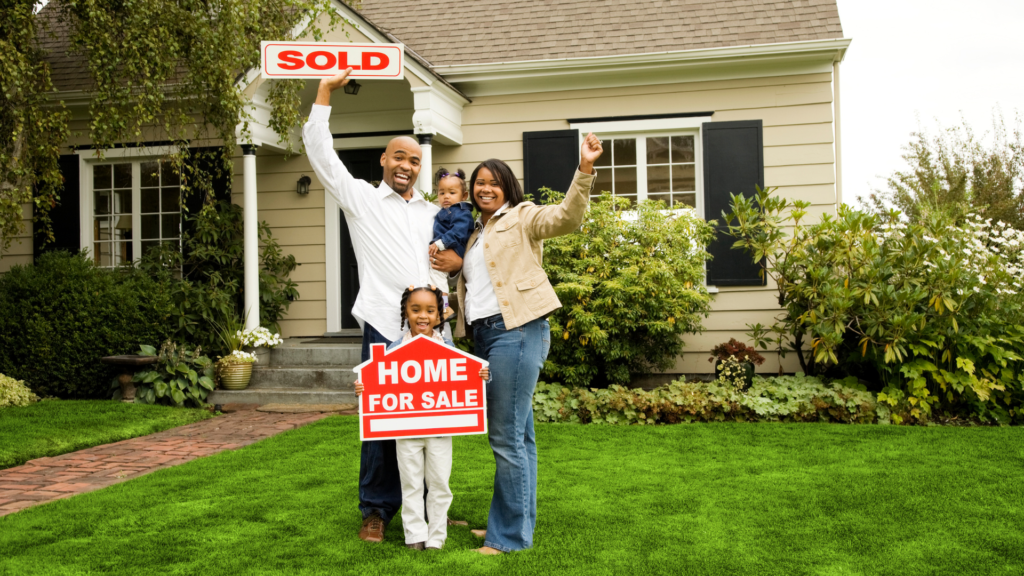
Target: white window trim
x=87 y=159
x=641 y=129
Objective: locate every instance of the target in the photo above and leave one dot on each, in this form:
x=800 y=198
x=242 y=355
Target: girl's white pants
x=430 y=460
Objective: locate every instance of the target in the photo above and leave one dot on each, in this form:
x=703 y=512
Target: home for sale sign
x=421 y=388
x=326 y=59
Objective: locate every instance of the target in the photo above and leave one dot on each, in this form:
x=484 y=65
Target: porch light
x=353 y=88
x=302 y=186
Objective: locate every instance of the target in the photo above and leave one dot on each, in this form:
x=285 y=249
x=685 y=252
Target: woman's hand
x=485 y=373
x=446 y=261
x=359 y=387
x=589 y=153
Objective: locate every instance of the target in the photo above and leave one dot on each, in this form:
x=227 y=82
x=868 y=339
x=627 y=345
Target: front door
x=364 y=165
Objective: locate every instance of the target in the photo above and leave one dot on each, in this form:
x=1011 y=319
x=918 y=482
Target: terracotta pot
x=235 y=376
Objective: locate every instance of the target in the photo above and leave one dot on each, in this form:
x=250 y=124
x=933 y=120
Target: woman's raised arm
x=552 y=221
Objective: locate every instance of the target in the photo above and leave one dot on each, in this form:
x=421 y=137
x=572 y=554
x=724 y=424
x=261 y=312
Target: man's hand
x=589 y=153
x=446 y=261
x=328 y=85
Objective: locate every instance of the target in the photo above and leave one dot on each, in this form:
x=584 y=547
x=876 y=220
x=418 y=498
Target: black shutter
x=733 y=164
x=550 y=159
x=64 y=217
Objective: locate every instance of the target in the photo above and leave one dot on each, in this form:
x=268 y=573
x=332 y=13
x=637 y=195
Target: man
x=391 y=227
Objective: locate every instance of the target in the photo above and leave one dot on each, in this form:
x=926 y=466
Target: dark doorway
x=364 y=165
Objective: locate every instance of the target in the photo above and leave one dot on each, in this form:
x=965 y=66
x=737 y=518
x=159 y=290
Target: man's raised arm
x=316 y=135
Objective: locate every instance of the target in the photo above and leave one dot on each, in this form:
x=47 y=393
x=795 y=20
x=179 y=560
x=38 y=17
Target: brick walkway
x=47 y=479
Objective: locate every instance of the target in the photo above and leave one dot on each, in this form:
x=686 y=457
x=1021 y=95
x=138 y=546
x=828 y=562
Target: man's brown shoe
x=373 y=528
x=417 y=545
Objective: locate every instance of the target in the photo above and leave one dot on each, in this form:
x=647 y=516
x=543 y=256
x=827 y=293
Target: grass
x=689 y=499
x=53 y=427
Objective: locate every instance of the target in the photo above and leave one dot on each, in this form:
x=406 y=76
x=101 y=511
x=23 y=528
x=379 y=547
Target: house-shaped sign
x=421 y=388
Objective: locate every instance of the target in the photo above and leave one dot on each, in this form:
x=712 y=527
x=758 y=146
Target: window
x=650 y=167
x=136 y=205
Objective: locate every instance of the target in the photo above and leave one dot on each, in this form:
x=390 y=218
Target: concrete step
x=281 y=395
x=298 y=354
x=303 y=377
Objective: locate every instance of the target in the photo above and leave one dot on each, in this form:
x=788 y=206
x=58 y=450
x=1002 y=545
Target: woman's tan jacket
x=514 y=251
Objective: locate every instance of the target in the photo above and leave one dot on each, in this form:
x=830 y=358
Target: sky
x=922 y=64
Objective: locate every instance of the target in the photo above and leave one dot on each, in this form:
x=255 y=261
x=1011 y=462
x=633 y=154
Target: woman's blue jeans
x=515 y=358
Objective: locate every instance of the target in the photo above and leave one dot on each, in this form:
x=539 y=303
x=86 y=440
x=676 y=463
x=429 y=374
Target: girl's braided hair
x=440 y=303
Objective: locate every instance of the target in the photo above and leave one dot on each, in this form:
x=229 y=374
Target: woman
x=505 y=296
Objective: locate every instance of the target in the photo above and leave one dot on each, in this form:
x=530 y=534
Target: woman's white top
x=481 y=301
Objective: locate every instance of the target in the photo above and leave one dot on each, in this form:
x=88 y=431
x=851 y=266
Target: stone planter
x=235 y=376
x=262 y=354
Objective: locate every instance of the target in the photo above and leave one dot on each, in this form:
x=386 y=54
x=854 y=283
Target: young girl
x=424 y=460
x=452 y=225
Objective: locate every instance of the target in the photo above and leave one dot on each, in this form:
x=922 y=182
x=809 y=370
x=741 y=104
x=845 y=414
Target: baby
x=453 y=224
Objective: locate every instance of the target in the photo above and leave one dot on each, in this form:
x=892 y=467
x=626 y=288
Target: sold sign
x=323 y=60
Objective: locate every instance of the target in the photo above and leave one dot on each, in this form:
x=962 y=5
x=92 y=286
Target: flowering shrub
x=929 y=312
x=778 y=399
x=259 y=338
x=15 y=393
x=734 y=372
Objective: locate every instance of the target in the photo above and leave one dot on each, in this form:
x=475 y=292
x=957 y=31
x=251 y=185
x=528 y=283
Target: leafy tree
x=957 y=172
x=171 y=65
x=631 y=285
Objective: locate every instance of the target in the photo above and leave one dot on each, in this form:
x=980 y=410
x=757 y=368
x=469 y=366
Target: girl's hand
x=589 y=153
x=358 y=387
x=485 y=373
x=432 y=250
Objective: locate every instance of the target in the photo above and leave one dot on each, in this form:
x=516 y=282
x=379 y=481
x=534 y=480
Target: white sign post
x=326 y=59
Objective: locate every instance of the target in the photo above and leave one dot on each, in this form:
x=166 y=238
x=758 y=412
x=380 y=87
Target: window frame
x=643 y=129
x=88 y=160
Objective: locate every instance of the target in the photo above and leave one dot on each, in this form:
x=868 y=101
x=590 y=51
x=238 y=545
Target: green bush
x=205 y=280
x=631 y=284
x=778 y=399
x=15 y=393
x=61 y=315
x=930 y=312
x=180 y=376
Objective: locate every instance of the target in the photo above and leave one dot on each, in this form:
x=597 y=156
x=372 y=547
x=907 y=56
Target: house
x=694 y=98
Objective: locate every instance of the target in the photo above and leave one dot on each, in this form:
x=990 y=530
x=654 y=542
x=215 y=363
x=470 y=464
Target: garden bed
x=54 y=427
x=725 y=498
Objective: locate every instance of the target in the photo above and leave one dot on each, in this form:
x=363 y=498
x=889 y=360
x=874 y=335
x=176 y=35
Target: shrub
x=929 y=312
x=736 y=350
x=181 y=376
x=15 y=393
x=205 y=279
x=797 y=398
x=61 y=315
x=630 y=283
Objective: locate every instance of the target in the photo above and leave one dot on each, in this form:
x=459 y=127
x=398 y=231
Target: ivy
x=161 y=70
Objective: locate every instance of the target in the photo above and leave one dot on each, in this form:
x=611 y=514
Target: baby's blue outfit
x=453 y=226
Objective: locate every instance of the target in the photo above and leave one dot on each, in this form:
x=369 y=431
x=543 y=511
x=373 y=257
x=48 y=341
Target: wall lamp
x=302 y=186
x=353 y=88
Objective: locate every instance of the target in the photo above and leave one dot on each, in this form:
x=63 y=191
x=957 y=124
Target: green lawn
x=55 y=427
x=688 y=499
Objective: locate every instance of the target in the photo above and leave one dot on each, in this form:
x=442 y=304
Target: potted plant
x=258 y=341
x=736 y=352
x=234 y=370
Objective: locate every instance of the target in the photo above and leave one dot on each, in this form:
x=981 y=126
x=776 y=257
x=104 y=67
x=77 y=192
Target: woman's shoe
x=479 y=533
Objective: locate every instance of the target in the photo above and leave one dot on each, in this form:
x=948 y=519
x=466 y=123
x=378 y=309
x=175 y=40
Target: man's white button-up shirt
x=390 y=236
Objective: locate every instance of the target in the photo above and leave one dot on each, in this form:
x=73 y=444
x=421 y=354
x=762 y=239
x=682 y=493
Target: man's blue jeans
x=515 y=357
x=380 y=485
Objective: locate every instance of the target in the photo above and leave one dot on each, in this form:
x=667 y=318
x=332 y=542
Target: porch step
x=281 y=396
x=299 y=354
x=303 y=377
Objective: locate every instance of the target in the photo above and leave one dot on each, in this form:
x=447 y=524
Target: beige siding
x=20 y=251
x=799 y=159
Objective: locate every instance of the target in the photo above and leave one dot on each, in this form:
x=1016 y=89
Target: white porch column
x=251 y=257
x=426 y=178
